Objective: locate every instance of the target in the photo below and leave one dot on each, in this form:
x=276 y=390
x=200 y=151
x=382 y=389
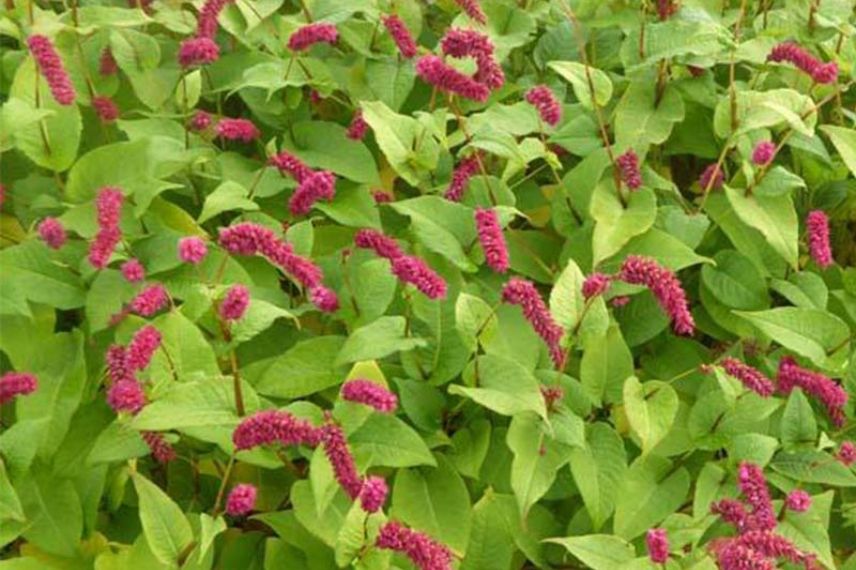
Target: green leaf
x=475 y=320
x=107 y=296
x=736 y=282
x=813 y=467
x=651 y=409
x=598 y=469
x=773 y=216
x=38 y=278
x=616 y=225
x=227 y=196
x=51 y=142
x=598 y=551
x=353 y=206
x=184 y=352
x=442 y=226
x=844 y=141
x=505 y=387
x=383 y=337
x=166 y=528
x=403 y=141
x=537 y=459
x=324 y=145
x=210 y=527
x=566 y=297
x=798 y=426
x=606 y=364
x=10 y=505
x=818 y=335
x=809 y=531
x=435 y=501
x=578 y=76
x=52 y=507
x=640 y=119
x=653 y=488
x=351 y=538
x=387 y=441
x=134 y=51
x=204 y=403
x=304 y=369
x=491 y=538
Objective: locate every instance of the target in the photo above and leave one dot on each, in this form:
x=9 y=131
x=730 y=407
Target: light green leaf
x=616 y=225
x=167 y=530
x=773 y=216
x=651 y=409
x=409 y=150
x=475 y=320
x=818 y=335
x=798 y=426
x=640 y=119
x=606 y=364
x=598 y=551
x=653 y=488
x=566 y=297
x=38 y=278
x=844 y=141
x=578 y=76
x=52 y=507
x=227 y=196
x=537 y=459
x=736 y=282
x=505 y=387
x=376 y=340
x=442 y=226
x=304 y=369
x=598 y=469
x=385 y=440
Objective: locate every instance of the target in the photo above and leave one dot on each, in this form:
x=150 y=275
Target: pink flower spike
x=336 y=449
x=235 y=303
x=237 y=130
x=805 y=62
x=118 y=368
x=466 y=169
x=289 y=164
x=311 y=34
x=52 y=233
x=847 y=453
x=750 y=377
x=51 y=67
x=126 y=396
x=150 y=300
x=241 y=501
x=763 y=153
x=106 y=63
x=831 y=395
x=733 y=512
x=711 y=178
x=317 y=186
x=628 y=166
x=473 y=9
x=753 y=486
x=400 y=35
x=492 y=239
x=383 y=246
x=198 y=51
x=549 y=109
x=666 y=288
x=817 y=230
x=274 y=426
x=142 y=347
x=658 y=545
x=206 y=25
x=323 y=298
x=161 y=450
x=523 y=293
x=13 y=384
x=200 y=121
x=666 y=9
x=108 y=203
x=596 y=284
x=425 y=552
x=798 y=501
x=192 y=250
x=370 y=394
x=133 y=271
x=358 y=127
x=434 y=71
x=373 y=494
x=105 y=108
x=411 y=269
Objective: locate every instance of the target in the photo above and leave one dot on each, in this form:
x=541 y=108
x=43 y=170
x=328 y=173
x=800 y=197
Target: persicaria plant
x=404 y=285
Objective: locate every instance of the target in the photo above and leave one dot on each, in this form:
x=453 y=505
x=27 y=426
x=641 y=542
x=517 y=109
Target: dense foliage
x=474 y=284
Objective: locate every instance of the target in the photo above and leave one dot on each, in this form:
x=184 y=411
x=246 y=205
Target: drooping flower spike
x=235 y=303
x=596 y=284
x=339 y=455
x=358 y=127
x=242 y=500
x=763 y=153
x=817 y=232
x=311 y=34
x=274 y=426
x=434 y=71
x=466 y=169
x=473 y=9
x=192 y=250
x=523 y=293
x=492 y=239
x=133 y=271
x=628 y=167
x=657 y=542
x=109 y=206
x=400 y=35
x=664 y=285
x=425 y=552
x=370 y=394
x=711 y=178
x=52 y=232
x=14 y=384
x=195 y=52
x=831 y=394
x=752 y=378
x=52 y=69
x=548 y=107
x=105 y=108
x=150 y=300
x=237 y=130
x=804 y=61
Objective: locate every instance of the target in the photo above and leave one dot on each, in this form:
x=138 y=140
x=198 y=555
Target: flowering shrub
x=470 y=284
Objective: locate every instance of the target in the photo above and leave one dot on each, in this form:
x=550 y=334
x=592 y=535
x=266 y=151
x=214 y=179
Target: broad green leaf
x=844 y=141
x=566 y=297
x=598 y=551
x=491 y=538
x=351 y=538
x=765 y=109
x=809 y=531
x=304 y=369
x=325 y=525
x=442 y=226
x=107 y=296
x=383 y=337
x=651 y=409
x=434 y=500
x=617 y=224
x=53 y=509
x=773 y=216
x=403 y=141
x=799 y=426
x=227 y=196
x=814 y=467
x=736 y=282
x=504 y=386
x=819 y=336
x=598 y=469
x=167 y=530
x=640 y=119
x=184 y=350
x=325 y=145
x=204 y=403
x=210 y=527
x=653 y=488
x=537 y=458
x=578 y=76
x=29 y=267
x=475 y=320
x=10 y=505
x=387 y=441
x=606 y=364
